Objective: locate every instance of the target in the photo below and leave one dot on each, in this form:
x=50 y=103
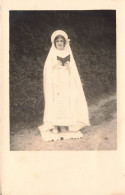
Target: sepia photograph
x=62 y=92
x=62 y=80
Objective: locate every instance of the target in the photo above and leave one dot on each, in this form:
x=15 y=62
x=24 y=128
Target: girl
x=66 y=110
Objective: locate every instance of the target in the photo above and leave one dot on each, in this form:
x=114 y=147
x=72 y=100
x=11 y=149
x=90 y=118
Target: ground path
x=102 y=135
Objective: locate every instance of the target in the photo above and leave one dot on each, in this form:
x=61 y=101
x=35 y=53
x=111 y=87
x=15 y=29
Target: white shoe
x=55 y=130
x=63 y=129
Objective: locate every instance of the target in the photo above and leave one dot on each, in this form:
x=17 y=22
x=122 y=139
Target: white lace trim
x=49 y=136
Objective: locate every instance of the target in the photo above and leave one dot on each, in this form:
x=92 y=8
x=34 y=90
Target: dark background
x=93 y=42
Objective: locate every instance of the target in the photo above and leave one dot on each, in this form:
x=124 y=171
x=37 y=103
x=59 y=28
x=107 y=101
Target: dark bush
x=93 y=42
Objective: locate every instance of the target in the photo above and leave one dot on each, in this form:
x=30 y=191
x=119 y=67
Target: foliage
x=93 y=41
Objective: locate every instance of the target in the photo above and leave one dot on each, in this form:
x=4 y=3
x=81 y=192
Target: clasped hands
x=59 y=65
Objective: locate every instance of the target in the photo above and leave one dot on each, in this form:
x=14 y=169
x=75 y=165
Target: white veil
x=81 y=117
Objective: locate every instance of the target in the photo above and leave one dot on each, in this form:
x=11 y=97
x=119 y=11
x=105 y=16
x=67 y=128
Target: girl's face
x=60 y=43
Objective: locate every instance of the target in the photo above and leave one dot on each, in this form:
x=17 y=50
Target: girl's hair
x=59 y=36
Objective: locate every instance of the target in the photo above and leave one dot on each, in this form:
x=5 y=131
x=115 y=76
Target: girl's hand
x=58 y=65
x=67 y=64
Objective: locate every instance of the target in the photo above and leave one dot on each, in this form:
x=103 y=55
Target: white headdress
x=59 y=32
x=54 y=35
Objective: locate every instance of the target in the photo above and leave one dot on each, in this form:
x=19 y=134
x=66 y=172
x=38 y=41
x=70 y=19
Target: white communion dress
x=65 y=102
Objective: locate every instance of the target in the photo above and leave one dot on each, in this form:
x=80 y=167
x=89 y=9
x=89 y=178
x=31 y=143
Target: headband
x=59 y=32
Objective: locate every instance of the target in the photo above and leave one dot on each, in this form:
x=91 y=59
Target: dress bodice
x=61 y=53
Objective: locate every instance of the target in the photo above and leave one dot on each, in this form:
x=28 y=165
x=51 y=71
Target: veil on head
x=64 y=34
x=59 y=32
